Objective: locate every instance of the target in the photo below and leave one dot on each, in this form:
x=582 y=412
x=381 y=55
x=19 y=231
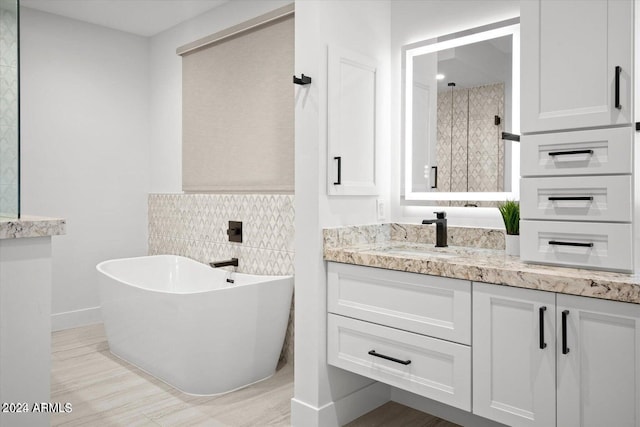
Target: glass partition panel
x=9 y=111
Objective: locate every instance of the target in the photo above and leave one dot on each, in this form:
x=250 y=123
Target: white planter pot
x=512 y=244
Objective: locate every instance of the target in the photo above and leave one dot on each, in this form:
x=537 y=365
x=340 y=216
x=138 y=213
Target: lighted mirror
x=461 y=99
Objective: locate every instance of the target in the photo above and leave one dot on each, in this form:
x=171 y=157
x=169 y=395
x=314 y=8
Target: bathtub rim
x=268 y=278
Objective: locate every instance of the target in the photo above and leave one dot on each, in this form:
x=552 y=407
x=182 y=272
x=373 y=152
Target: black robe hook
x=304 y=80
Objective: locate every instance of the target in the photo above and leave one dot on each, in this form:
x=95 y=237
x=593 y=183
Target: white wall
x=101 y=128
x=413 y=21
x=84 y=106
x=165 y=74
x=321 y=391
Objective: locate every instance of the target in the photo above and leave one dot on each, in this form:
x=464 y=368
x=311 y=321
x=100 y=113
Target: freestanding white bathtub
x=180 y=321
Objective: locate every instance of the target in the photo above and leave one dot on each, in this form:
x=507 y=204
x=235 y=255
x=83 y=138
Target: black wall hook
x=303 y=80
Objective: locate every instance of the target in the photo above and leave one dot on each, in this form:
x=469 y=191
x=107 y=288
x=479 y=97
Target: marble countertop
x=31 y=226
x=487 y=265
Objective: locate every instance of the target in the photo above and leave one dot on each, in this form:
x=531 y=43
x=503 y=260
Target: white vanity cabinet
x=577 y=64
x=409 y=330
x=537 y=354
x=513 y=377
x=577 y=138
x=598 y=362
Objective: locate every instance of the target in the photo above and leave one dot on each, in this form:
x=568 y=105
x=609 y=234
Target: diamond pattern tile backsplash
x=195 y=225
x=8 y=109
x=469 y=149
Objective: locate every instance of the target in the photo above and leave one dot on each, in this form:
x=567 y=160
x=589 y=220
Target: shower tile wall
x=443 y=146
x=194 y=225
x=469 y=150
x=459 y=140
x=8 y=109
x=486 y=148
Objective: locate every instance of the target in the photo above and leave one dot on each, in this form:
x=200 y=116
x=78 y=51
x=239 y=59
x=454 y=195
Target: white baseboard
x=340 y=412
x=76 y=318
x=362 y=401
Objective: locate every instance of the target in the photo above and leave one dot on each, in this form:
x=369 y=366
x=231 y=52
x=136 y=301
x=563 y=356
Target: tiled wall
x=383 y=234
x=194 y=225
x=470 y=151
x=8 y=109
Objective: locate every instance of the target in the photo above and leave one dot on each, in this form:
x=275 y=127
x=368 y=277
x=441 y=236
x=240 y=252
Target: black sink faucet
x=441 y=228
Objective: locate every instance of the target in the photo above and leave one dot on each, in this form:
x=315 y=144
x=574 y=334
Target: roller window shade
x=238 y=112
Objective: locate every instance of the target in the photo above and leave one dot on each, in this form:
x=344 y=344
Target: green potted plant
x=510 y=211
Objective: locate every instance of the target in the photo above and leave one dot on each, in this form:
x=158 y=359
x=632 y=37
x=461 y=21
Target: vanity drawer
x=579 y=244
x=588 y=198
x=438 y=369
x=436 y=306
x=600 y=151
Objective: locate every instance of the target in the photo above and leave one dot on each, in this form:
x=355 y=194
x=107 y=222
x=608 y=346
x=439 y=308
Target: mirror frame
x=486 y=32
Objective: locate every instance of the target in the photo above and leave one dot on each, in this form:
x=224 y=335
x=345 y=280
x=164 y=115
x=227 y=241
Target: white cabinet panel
x=599 y=376
x=513 y=377
x=436 y=306
x=599 y=151
x=433 y=368
x=352 y=118
x=582 y=244
x=583 y=198
x=590 y=376
x=570 y=53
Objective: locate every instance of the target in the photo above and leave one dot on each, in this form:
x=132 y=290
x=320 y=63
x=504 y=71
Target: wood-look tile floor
x=106 y=391
x=396 y=415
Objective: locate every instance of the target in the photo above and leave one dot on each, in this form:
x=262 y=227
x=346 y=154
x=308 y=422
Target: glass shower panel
x=9 y=111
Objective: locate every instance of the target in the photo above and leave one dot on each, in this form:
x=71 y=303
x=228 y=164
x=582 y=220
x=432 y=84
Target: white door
x=514 y=355
x=571 y=51
x=598 y=363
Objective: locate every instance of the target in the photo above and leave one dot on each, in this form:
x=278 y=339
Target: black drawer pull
x=617 y=100
x=393 y=359
x=541 y=311
x=339 y=181
x=584 y=245
x=557 y=198
x=565 y=346
x=567 y=153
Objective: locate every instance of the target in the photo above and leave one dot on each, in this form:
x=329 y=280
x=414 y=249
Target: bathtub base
x=186 y=392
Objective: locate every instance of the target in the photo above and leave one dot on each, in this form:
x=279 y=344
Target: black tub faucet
x=233 y=262
x=441 y=228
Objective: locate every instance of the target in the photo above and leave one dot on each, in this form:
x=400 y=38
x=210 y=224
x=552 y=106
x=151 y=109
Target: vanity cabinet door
x=513 y=357
x=571 y=51
x=598 y=368
x=353 y=98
